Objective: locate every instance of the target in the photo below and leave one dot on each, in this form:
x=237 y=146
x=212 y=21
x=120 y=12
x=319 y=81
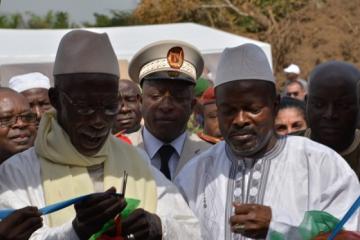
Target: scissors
x=124 y=184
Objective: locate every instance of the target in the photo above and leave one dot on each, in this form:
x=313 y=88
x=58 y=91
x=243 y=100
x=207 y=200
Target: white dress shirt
x=152 y=146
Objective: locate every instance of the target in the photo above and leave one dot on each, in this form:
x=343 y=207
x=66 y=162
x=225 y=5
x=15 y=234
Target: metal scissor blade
x=124 y=183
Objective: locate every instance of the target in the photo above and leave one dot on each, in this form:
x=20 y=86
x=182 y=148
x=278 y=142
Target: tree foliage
x=258 y=18
x=116 y=18
x=230 y=15
x=50 y=20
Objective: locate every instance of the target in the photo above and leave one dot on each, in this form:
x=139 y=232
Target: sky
x=79 y=10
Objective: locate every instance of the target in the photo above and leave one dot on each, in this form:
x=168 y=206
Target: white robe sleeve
x=333 y=188
x=338 y=188
x=64 y=232
x=20 y=186
x=178 y=221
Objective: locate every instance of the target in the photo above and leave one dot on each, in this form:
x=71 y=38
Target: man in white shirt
x=254 y=182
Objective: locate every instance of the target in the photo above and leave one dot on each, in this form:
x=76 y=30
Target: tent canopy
x=40 y=46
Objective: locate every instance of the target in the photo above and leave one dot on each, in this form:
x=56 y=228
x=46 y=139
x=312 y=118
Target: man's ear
x=54 y=97
x=193 y=103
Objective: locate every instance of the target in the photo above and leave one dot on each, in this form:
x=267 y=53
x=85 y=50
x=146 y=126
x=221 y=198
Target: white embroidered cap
x=292 y=68
x=245 y=62
x=28 y=81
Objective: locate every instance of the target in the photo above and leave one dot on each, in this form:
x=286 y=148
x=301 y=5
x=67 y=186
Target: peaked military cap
x=167 y=60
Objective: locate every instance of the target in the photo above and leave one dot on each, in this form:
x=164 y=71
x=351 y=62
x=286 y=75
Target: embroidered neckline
x=254 y=190
x=272 y=153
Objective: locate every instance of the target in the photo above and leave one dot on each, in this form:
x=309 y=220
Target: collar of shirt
x=152 y=144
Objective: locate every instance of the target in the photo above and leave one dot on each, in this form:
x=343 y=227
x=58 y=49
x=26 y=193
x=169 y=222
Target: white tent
x=39 y=46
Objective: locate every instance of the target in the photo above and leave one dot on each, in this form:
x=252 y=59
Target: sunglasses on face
x=109 y=109
x=9 y=121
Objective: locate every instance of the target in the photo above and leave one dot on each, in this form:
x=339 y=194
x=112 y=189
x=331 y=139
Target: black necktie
x=165 y=152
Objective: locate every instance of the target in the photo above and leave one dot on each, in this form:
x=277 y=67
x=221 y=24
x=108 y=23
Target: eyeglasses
x=9 y=121
x=109 y=109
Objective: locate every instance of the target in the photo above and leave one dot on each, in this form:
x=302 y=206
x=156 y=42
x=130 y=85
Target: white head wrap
x=245 y=62
x=28 y=81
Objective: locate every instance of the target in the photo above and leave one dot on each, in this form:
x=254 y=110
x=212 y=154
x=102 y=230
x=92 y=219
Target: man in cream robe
x=75 y=154
x=21 y=185
x=255 y=182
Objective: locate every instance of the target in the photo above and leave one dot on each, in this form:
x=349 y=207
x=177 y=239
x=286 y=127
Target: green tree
x=50 y=20
x=37 y=21
x=11 y=21
x=61 y=20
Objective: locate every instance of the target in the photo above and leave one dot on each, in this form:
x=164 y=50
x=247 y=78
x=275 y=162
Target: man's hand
x=20 y=224
x=142 y=225
x=251 y=220
x=93 y=213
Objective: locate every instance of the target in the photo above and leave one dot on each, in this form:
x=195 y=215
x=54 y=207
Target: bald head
x=10 y=100
x=125 y=85
x=5 y=89
x=334 y=72
x=6 y=93
x=333 y=104
x=129 y=114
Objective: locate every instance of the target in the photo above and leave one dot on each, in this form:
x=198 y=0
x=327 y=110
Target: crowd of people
x=225 y=158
